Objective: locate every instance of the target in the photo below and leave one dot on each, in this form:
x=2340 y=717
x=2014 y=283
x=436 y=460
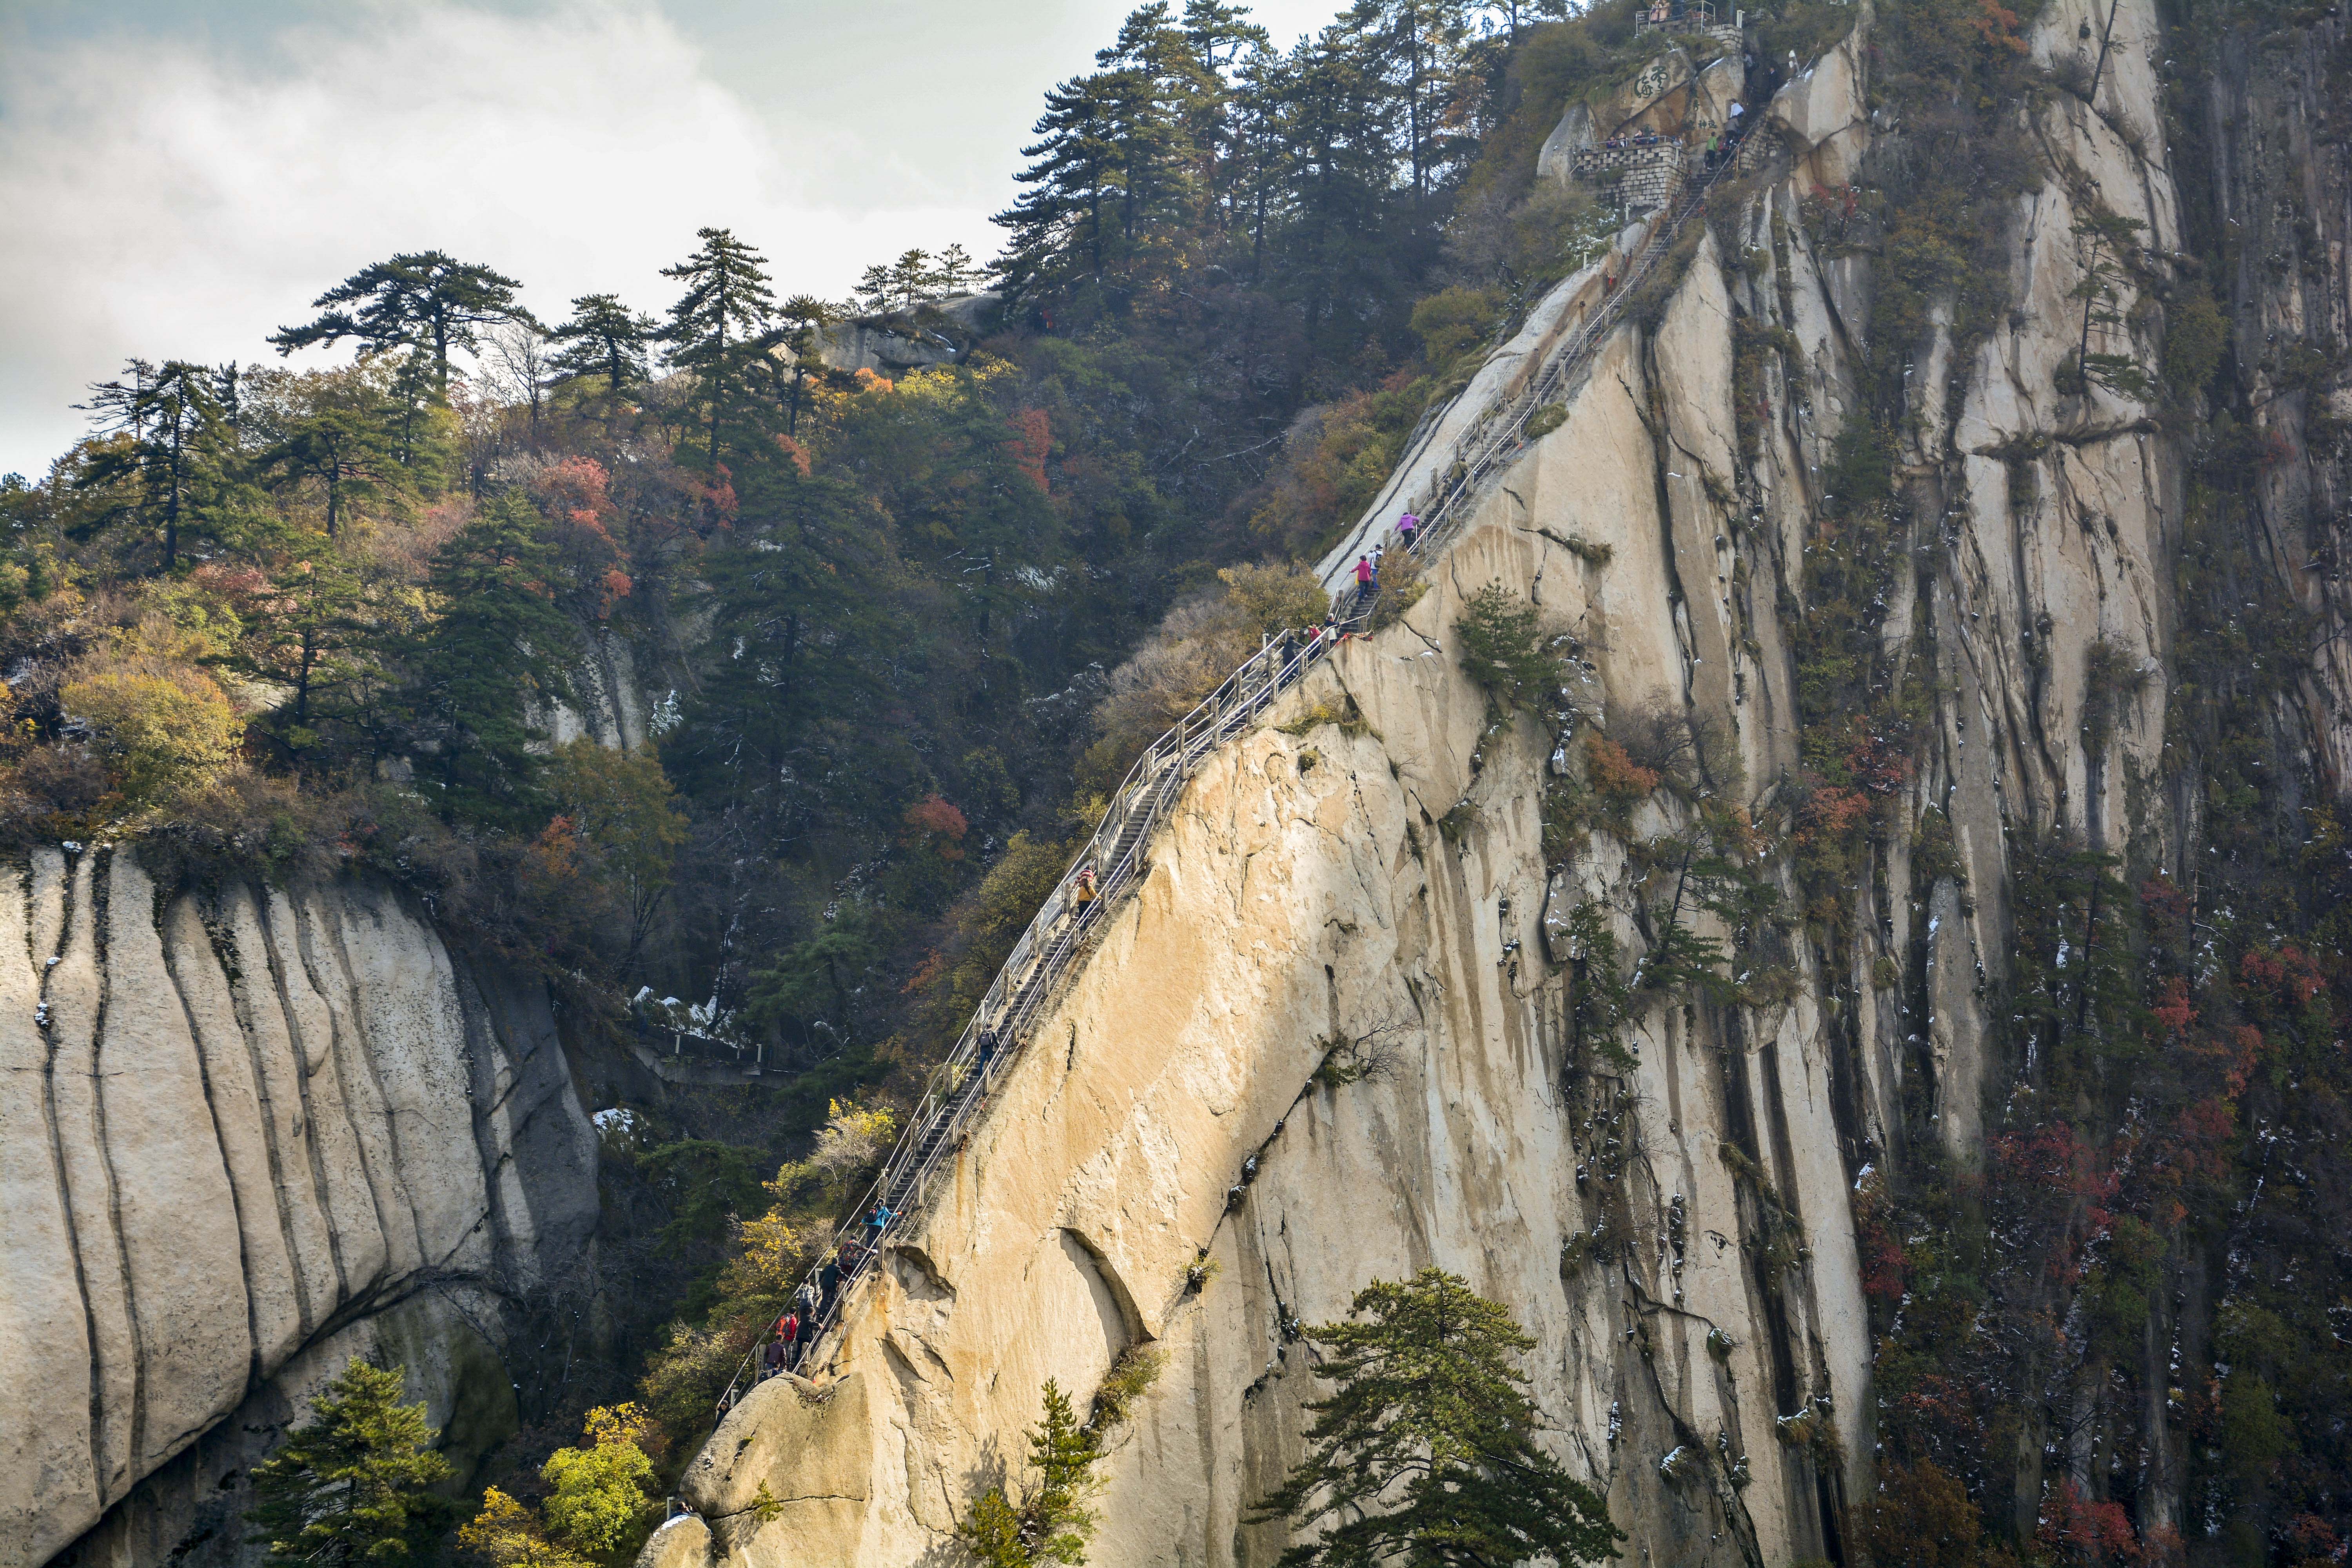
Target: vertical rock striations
x=241 y=1140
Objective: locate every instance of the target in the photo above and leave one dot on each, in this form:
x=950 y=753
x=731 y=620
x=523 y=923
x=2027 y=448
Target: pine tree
x=497 y=644
x=1417 y=50
x=2106 y=243
x=176 y=438
x=1426 y=1450
x=804 y=317
x=338 y=439
x=354 y=1484
x=605 y=338
x=715 y=327
x=428 y=300
x=910 y=278
x=1053 y=1522
x=1217 y=37
x=956 y=272
x=1058 y=234
x=1338 y=258
x=805 y=626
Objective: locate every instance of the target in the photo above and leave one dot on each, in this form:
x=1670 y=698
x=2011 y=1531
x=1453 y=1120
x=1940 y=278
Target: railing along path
x=957 y=1089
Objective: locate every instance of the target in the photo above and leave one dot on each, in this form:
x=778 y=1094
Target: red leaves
x=2287 y=972
x=2075 y=1529
x=2054 y=1157
x=933 y=822
x=1883 y=1260
x=796 y=452
x=1879 y=764
x=2174 y=1012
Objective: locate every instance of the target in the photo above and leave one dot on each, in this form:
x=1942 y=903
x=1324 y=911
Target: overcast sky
x=180 y=177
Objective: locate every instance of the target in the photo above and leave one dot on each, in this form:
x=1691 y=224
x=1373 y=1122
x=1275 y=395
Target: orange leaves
x=1032 y=443
x=927 y=974
x=1997 y=25
x=1616 y=775
x=1830 y=814
x=795 y=451
x=574 y=497
x=617 y=585
x=938 y=825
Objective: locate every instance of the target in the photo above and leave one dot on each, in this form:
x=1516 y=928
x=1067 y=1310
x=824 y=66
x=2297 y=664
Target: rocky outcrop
x=242 y=1139
x=1369 y=886
x=1366 y=880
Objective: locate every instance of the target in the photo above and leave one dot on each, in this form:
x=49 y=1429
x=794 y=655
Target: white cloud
x=169 y=202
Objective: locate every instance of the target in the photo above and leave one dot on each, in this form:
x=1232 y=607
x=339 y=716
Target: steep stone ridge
x=1675 y=1231
x=1306 y=893
x=241 y=1140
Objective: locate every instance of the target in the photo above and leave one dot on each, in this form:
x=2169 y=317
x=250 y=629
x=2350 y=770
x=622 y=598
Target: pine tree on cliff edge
x=1425 y=1453
x=354 y=1483
x=1053 y=1522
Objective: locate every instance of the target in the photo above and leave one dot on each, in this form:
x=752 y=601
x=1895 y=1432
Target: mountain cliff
x=1877 y=537
x=243 y=1139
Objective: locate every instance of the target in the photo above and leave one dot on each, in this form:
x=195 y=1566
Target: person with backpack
x=1364 y=579
x=1407 y=526
x=877 y=1222
x=828 y=1282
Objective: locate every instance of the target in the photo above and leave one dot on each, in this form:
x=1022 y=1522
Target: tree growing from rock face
x=1053 y=1522
x=428 y=300
x=599 y=1510
x=1502 y=651
x=1425 y=1453
x=355 y=1483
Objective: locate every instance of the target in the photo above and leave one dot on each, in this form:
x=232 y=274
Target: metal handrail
x=1498 y=433
x=955 y=1089
x=959 y=1086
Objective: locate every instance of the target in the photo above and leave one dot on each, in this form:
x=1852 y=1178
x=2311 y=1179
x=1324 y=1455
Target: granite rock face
x=1675 y=1231
x=241 y=1140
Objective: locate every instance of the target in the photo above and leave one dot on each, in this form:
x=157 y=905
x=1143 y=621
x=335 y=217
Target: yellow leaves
x=618 y=1423
x=852 y=1138
x=507 y=1535
x=604 y=1491
x=776 y=1252
x=161 y=727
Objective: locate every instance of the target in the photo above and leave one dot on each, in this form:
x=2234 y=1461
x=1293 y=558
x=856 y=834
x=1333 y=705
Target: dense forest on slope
x=898 y=634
